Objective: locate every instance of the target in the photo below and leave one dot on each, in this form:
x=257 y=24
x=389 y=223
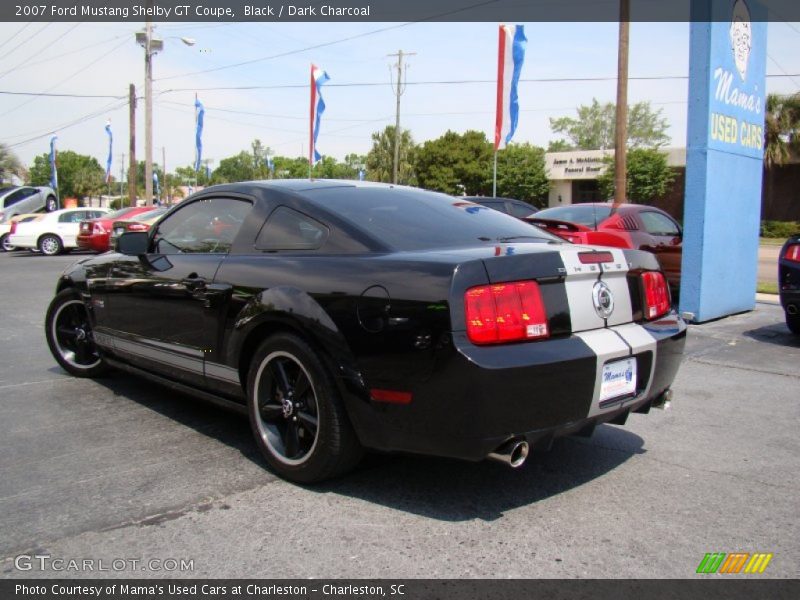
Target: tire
x=51 y=204
x=50 y=245
x=793 y=323
x=69 y=336
x=296 y=413
x=5 y=245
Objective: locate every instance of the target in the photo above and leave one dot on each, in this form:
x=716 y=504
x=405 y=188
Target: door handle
x=194 y=283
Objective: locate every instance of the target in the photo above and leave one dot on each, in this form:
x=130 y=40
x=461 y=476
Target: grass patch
x=767 y=287
x=771 y=241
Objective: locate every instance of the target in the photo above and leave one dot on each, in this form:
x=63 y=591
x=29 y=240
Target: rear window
x=119 y=214
x=407 y=219
x=585 y=214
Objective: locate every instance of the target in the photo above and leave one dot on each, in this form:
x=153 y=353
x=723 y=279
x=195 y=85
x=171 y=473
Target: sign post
x=724 y=160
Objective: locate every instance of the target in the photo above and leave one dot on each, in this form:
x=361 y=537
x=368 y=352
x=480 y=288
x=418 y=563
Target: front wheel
x=70 y=338
x=50 y=245
x=296 y=413
x=52 y=204
x=793 y=322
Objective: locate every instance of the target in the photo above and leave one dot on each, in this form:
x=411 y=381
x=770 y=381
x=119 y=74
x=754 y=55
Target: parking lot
x=122 y=469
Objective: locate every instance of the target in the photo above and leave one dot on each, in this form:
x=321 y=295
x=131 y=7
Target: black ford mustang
x=344 y=316
x=789 y=282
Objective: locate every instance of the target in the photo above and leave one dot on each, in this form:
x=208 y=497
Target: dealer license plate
x=619 y=379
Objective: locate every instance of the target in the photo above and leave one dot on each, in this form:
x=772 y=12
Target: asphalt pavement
x=122 y=469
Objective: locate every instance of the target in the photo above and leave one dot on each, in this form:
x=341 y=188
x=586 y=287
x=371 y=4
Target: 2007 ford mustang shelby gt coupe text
x=344 y=316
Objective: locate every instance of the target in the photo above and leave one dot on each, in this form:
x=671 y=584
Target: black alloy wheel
x=70 y=338
x=296 y=414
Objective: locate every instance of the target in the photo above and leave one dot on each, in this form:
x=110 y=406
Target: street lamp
x=151 y=45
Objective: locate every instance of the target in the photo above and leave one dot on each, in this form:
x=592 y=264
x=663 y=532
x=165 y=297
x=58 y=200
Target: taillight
x=505 y=312
x=656 y=294
x=138 y=227
x=792 y=253
x=13 y=227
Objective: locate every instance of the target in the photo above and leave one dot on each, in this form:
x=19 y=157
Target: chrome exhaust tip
x=664 y=401
x=791 y=309
x=514 y=453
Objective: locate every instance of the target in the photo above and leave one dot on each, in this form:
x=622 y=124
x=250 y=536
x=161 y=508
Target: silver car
x=26 y=199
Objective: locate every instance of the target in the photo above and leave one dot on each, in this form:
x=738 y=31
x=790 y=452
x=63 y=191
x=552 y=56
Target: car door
x=159 y=305
x=666 y=242
x=68 y=225
x=19 y=202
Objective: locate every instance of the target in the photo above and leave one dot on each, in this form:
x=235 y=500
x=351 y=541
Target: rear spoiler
x=565 y=226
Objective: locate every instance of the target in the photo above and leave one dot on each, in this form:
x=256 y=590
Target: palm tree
x=380 y=159
x=782 y=128
x=9 y=163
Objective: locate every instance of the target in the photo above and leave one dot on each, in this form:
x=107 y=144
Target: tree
x=290 y=168
x=595 y=125
x=76 y=173
x=239 y=167
x=521 y=174
x=781 y=128
x=9 y=163
x=559 y=146
x=649 y=176
x=380 y=159
x=456 y=164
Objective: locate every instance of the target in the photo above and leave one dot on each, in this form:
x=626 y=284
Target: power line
x=46 y=95
x=75 y=51
x=60 y=37
x=20 y=30
x=78 y=72
x=331 y=43
x=23 y=42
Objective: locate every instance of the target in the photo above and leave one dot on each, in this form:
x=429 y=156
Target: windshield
x=409 y=219
x=588 y=215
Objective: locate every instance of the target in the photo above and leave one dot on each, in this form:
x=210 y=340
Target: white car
x=6 y=227
x=54 y=232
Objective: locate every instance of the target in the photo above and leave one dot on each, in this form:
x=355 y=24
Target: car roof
x=299 y=185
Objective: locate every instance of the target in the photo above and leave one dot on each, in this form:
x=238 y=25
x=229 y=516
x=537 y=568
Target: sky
x=103 y=59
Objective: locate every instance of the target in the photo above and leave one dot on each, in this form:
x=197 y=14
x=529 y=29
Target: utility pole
x=398 y=90
x=148 y=115
x=132 y=147
x=164 y=189
x=621 y=130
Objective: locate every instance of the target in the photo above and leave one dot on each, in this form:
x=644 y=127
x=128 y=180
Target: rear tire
x=5 y=244
x=50 y=245
x=69 y=336
x=793 y=323
x=51 y=204
x=296 y=412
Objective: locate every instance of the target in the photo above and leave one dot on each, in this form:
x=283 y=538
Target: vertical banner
x=110 y=147
x=724 y=158
x=199 y=115
x=318 y=79
x=270 y=166
x=510 y=56
x=156 y=186
x=53 y=170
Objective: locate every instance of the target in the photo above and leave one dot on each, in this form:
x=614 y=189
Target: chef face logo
x=603 y=300
x=741 y=34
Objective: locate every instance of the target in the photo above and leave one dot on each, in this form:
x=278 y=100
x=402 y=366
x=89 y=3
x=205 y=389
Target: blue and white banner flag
x=53 y=170
x=511 y=55
x=270 y=165
x=361 y=174
x=318 y=79
x=199 y=113
x=156 y=186
x=110 y=145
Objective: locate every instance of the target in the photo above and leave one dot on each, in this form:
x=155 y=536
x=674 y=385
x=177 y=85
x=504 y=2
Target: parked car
x=789 y=282
x=622 y=226
x=94 y=234
x=343 y=315
x=8 y=227
x=19 y=200
x=54 y=232
x=515 y=208
x=141 y=222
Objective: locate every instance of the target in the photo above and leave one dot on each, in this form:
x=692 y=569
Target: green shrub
x=779 y=229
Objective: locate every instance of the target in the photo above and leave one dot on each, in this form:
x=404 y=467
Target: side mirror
x=133 y=243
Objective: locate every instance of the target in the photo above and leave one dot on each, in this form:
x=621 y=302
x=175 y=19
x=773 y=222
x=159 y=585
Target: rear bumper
x=480 y=397
x=789 y=285
x=97 y=243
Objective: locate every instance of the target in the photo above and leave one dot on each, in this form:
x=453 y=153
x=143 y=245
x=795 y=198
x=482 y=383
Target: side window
x=658 y=224
x=205 y=226
x=73 y=216
x=520 y=209
x=495 y=204
x=287 y=229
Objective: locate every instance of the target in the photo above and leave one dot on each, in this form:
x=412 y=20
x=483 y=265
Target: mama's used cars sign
x=724 y=157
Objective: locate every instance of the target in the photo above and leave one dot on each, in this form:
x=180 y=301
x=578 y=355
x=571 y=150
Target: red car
x=620 y=225
x=94 y=234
